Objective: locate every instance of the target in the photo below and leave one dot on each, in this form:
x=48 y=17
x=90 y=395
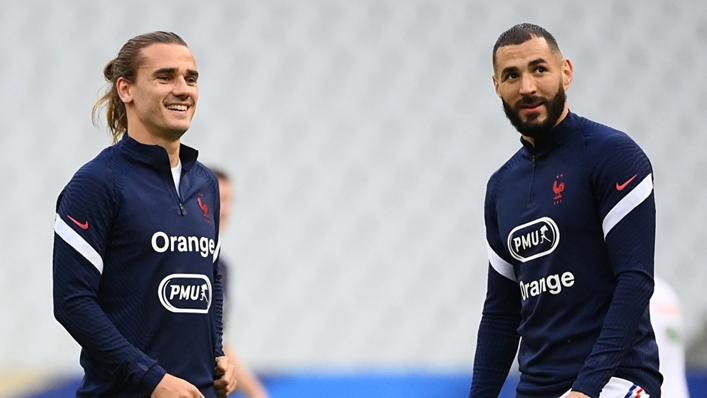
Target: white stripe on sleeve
x=78 y=243
x=500 y=265
x=217 y=251
x=628 y=203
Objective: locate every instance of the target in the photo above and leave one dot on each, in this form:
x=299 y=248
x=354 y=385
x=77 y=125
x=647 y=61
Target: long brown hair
x=125 y=65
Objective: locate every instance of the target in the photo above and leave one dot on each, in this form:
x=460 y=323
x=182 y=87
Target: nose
x=527 y=85
x=181 y=88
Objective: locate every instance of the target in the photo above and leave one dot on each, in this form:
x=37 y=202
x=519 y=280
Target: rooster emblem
x=557 y=189
x=203 y=206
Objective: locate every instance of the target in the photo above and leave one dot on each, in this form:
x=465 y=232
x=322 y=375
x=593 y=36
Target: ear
x=124 y=90
x=567 y=73
x=495 y=85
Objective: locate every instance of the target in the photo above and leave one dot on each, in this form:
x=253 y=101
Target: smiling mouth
x=177 y=107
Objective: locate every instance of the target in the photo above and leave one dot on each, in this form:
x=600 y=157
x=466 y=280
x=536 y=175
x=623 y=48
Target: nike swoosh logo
x=620 y=187
x=82 y=226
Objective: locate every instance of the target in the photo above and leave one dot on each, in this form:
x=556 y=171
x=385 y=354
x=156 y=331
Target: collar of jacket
x=554 y=138
x=155 y=156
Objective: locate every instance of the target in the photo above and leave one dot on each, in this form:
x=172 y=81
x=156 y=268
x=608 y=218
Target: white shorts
x=619 y=388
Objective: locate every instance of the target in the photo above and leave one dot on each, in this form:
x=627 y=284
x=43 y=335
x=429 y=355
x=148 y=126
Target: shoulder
x=207 y=179
x=503 y=172
x=200 y=170
x=600 y=137
x=92 y=182
x=609 y=150
x=98 y=171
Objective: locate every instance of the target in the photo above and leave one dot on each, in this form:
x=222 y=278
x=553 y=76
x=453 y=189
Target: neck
x=531 y=140
x=170 y=145
x=173 y=152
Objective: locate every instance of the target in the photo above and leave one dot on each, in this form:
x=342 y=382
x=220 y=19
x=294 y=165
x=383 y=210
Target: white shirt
x=666 y=318
x=177 y=175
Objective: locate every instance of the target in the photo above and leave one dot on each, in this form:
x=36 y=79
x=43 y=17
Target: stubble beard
x=173 y=130
x=532 y=127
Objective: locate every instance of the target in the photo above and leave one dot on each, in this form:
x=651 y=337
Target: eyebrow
x=172 y=71
x=511 y=69
x=537 y=62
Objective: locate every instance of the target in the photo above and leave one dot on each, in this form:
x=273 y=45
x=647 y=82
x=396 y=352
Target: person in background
x=248 y=383
x=666 y=317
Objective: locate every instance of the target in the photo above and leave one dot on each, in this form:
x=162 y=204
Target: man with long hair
x=136 y=239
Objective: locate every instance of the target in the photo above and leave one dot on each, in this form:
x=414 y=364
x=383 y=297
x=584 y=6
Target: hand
x=577 y=394
x=259 y=394
x=174 y=387
x=249 y=385
x=226 y=377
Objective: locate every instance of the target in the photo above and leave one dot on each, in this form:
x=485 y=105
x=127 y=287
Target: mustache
x=531 y=100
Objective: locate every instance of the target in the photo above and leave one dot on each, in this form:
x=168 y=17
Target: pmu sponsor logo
x=534 y=239
x=161 y=242
x=551 y=283
x=186 y=293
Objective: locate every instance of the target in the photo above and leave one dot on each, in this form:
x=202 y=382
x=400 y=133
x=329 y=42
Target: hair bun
x=108 y=70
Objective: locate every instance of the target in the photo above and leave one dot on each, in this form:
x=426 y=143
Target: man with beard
x=570 y=227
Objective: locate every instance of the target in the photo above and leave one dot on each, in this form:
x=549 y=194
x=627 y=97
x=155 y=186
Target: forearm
x=75 y=288
x=248 y=383
x=633 y=292
x=498 y=337
x=496 y=347
x=84 y=319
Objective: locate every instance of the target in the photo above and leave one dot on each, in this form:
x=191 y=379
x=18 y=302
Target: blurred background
x=359 y=136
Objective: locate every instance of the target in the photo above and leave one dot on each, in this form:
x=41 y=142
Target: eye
x=191 y=80
x=163 y=78
x=541 y=69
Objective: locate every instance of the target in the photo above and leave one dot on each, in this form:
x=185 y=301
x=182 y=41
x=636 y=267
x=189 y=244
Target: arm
x=498 y=337
x=216 y=313
x=629 y=230
x=79 y=247
x=497 y=340
x=248 y=383
x=224 y=371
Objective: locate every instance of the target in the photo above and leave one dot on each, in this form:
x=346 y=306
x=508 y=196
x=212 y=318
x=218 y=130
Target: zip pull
x=532 y=181
x=182 y=210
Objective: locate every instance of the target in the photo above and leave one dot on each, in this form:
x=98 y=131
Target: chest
x=545 y=203
x=154 y=218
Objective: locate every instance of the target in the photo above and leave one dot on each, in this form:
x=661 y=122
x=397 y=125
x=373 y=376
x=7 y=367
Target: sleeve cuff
x=584 y=388
x=152 y=378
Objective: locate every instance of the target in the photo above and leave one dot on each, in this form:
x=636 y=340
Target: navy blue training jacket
x=135 y=270
x=570 y=227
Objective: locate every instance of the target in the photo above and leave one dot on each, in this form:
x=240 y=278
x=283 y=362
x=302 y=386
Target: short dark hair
x=125 y=65
x=220 y=174
x=521 y=33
